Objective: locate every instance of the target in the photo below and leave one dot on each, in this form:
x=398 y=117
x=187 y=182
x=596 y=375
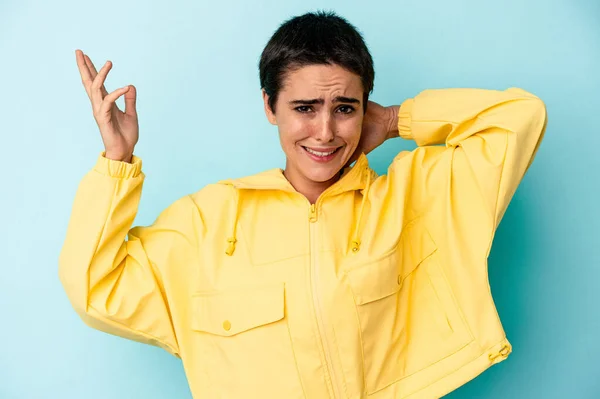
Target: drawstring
x=355 y=240
x=234 y=210
x=232 y=240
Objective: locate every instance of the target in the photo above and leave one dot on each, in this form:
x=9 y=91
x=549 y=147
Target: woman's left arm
x=493 y=135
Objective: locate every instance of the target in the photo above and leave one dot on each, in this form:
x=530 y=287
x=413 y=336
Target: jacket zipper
x=317 y=303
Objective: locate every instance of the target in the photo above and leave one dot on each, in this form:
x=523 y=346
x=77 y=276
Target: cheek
x=294 y=131
x=289 y=138
x=351 y=132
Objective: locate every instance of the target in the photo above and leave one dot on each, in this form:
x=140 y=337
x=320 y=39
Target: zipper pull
x=312 y=217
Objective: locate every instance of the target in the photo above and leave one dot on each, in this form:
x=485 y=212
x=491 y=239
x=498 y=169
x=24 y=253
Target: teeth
x=319 y=153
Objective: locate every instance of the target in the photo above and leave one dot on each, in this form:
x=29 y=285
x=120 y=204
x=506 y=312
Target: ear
x=268 y=111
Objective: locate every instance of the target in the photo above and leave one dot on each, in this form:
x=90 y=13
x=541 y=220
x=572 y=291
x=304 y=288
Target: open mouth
x=321 y=155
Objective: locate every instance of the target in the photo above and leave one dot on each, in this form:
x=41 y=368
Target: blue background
x=201 y=119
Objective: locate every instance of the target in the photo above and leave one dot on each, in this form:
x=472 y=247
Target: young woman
x=321 y=280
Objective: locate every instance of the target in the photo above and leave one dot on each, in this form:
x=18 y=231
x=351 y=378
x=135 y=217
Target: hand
x=379 y=124
x=119 y=130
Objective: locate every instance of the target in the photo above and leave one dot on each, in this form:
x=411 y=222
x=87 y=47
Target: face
x=319 y=113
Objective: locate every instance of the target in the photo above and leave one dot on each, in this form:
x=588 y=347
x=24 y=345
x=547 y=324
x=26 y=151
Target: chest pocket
x=243 y=339
x=407 y=313
x=229 y=313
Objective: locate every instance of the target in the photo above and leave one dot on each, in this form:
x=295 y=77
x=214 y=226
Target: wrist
x=392 y=123
x=121 y=157
x=118 y=168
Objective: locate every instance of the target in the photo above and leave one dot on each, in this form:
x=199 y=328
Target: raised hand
x=119 y=130
x=379 y=124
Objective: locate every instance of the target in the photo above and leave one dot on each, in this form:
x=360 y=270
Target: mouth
x=321 y=154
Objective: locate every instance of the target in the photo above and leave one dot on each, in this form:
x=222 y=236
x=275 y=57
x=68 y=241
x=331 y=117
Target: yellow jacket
x=379 y=289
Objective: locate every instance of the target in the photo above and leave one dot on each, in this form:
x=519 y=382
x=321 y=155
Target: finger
x=97 y=94
x=93 y=71
x=109 y=100
x=84 y=72
x=130 y=99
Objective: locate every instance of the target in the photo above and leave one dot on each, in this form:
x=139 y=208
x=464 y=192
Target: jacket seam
x=500 y=181
x=423 y=369
x=298 y=370
x=339 y=359
x=315 y=323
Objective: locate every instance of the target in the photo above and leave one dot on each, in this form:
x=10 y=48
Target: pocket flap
x=375 y=280
x=231 y=312
x=383 y=277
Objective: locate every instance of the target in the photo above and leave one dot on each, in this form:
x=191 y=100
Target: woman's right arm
x=123 y=287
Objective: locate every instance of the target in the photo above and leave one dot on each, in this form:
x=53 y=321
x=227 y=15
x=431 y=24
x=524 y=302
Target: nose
x=325 y=132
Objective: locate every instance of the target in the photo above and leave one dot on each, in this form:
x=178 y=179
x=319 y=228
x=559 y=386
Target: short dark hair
x=320 y=37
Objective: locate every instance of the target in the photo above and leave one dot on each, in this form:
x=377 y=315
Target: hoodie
x=379 y=289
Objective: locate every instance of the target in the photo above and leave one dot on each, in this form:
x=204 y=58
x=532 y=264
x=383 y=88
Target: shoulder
x=216 y=195
x=210 y=194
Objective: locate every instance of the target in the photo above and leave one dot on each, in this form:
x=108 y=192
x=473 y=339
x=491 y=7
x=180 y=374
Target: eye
x=303 y=109
x=346 y=109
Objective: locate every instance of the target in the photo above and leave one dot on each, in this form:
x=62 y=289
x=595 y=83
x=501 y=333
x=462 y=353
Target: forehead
x=315 y=80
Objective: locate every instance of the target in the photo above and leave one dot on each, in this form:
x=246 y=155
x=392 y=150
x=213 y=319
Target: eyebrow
x=338 y=99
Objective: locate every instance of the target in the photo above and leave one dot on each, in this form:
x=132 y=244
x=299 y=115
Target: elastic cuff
x=118 y=169
x=405 y=118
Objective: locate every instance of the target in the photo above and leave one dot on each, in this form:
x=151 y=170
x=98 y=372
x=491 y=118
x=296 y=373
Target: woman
x=320 y=280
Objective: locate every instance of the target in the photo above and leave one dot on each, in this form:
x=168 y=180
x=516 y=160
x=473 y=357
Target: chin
x=321 y=174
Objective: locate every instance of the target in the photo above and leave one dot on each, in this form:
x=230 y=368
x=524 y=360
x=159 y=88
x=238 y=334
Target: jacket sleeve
x=489 y=138
x=120 y=286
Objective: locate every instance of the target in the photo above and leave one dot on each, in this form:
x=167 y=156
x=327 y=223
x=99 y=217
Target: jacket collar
x=353 y=178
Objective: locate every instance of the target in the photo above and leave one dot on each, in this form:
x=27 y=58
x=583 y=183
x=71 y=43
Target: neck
x=310 y=189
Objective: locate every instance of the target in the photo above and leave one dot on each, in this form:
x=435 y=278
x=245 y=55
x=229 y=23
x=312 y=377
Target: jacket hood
x=353 y=178
x=357 y=177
